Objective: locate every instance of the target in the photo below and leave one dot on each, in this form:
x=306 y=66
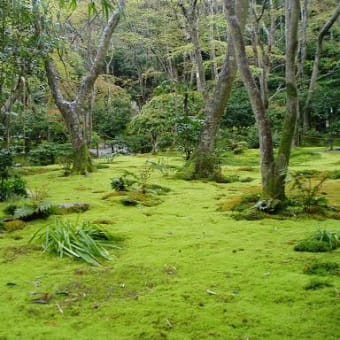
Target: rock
x=68 y=208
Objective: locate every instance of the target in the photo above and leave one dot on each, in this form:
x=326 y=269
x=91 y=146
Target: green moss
x=14 y=225
x=173 y=253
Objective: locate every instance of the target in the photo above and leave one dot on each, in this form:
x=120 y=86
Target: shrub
x=12 y=186
x=309 y=194
x=83 y=241
x=320 y=241
x=322 y=268
x=51 y=153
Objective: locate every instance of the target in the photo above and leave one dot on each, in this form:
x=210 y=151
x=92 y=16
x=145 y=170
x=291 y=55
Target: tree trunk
x=76 y=113
x=292 y=108
x=273 y=173
x=191 y=18
x=312 y=83
x=6 y=108
x=206 y=162
x=258 y=106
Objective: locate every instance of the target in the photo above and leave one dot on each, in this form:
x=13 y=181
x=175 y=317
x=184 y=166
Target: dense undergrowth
x=184 y=269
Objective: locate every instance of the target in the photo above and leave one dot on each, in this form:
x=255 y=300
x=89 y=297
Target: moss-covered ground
x=185 y=270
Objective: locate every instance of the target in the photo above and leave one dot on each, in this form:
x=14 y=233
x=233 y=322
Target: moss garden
x=170 y=260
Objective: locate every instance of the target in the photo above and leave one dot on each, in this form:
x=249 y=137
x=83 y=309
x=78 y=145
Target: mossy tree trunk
x=292 y=105
x=273 y=173
x=76 y=112
x=204 y=158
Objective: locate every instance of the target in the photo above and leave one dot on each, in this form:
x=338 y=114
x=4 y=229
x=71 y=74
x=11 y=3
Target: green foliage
x=34 y=207
x=51 y=153
x=187 y=133
x=322 y=268
x=308 y=193
x=124 y=182
x=111 y=112
x=320 y=241
x=9 y=185
x=82 y=240
x=6 y=163
x=14 y=186
x=170 y=118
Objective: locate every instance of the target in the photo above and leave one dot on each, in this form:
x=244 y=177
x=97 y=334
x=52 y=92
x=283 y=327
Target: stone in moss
x=69 y=208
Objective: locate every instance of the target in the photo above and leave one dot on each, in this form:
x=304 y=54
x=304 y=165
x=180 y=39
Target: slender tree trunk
x=312 y=83
x=6 y=108
x=292 y=108
x=258 y=106
x=191 y=17
x=206 y=164
x=273 y=173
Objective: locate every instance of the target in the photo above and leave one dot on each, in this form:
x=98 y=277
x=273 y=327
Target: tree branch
x=88 y=82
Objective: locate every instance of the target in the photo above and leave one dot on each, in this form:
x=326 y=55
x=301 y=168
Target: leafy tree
x=76 y=111
x=171 y=118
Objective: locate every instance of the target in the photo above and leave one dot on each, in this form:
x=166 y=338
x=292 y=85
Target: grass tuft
x=83 y=241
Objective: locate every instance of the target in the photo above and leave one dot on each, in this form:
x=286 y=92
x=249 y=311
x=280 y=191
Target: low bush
x=51 y=153
x=320 y=241
x=322 y=268
x=12 y=186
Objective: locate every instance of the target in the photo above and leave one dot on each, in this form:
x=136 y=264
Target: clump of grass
x=322 y=268
x=315 y=284
x=320 y=241
x=83 y=241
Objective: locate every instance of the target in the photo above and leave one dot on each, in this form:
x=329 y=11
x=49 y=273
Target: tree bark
x=273 y=174
x=206 y=163
x=258 y=106
x=191 y=18
x=292 y=106
x=76 y=112
x=313 y=79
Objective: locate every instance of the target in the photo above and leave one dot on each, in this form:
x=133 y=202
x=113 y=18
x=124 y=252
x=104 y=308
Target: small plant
x=308 y=193
x=320 y=241
x=322 y=268
x=83 y=241
x=162 y=166
x=124 y=182
x=35 y=206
